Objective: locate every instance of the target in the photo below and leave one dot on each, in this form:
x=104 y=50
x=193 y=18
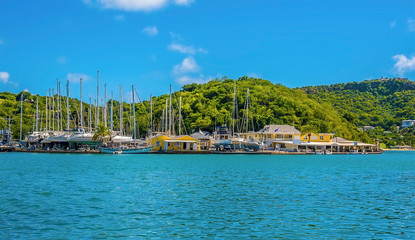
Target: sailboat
x=60 y=139
x=117 y=141
x=82 y=137
x=246 y=143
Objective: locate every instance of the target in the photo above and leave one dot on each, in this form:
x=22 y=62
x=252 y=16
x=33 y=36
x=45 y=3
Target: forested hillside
x=382 y=103
x=204 y=106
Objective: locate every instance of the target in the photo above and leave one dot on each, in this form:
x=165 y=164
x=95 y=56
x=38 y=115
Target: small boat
x=136 y=150
x=110 y=150
x=124 y=150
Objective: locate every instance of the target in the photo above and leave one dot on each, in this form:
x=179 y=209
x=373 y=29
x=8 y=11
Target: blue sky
x=155 y=43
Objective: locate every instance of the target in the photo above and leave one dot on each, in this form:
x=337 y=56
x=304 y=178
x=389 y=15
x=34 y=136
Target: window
x=158 y=143
x=313 y=137
x=305 y=137
x=321 y=138
x=290 y=136
x=279 y=136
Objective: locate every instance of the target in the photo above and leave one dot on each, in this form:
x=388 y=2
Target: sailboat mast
x=21 y=115
x=41 y=120
x=82 y=117
x=57 y=104
x=134 y=134
x=170 y=116
x=37 y=114
x=60 y=106
x=151 y=114
x=90 y=117
x=97 y=105
x=247 y=109
x=53 y=109
x=46 y=111
x=121 y=108
x=166 y=117
x=180 y=116
x=67 y=105
x=50 y=108
x=105 y=106
x=112 y=105
x=233 y=108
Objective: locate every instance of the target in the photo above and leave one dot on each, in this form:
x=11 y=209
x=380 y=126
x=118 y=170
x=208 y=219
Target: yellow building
x=279 y=132
x=157 y=142
x=175 y=143
x=319 y=137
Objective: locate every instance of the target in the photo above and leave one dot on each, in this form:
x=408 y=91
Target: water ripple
x=50 y=196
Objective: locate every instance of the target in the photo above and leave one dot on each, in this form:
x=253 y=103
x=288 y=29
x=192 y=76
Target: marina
x=103 y=130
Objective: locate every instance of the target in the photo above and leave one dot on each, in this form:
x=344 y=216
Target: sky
x=154 y=43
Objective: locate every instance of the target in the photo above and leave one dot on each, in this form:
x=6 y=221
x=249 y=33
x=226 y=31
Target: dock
x=6 y=149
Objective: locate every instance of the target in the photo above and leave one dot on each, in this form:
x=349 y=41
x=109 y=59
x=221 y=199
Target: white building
x=408 y=123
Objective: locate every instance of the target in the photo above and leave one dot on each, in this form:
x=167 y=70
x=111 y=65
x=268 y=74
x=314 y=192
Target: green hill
x=339 y=108
x=210 y=104
x=382 y=103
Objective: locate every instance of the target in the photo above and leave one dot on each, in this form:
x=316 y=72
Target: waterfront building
x=275 y=136
x=326 y=144
x=317 y=137
x=175 y=143
x=5 y=136
x=205 y=139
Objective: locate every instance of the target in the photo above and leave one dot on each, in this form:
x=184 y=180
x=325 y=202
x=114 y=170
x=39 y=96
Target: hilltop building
x=408 y=123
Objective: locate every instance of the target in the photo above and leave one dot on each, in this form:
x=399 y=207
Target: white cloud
x=189 y=79
x=4 y=77
x=411 y=25
x=393 y=24
x=119 y=18
x=188 y=64
x=183 y=2
x=151 y=30
x=26 y=90
x=137 y=5
x=403 y=64
x=133 y=5
x=74 y=77
x=185 y=49
x=61 y=60
x=176 y=36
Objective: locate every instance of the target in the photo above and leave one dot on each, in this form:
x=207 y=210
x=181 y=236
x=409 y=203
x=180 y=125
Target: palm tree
x=102 y=133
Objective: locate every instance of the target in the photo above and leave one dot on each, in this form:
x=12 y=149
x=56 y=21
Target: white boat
x=121 y=139
x=36 y=137
x=81 y=136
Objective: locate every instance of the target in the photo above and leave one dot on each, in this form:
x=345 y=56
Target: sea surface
x=64 y=196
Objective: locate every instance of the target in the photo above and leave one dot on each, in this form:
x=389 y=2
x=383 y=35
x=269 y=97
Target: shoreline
x=265 y=152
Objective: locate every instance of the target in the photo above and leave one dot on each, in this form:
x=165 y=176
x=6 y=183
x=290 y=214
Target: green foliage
x=210 y=104
x=102 y=133
x=380 y=103
x=339 y=108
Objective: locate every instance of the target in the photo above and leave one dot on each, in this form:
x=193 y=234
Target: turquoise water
x=62 y=196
